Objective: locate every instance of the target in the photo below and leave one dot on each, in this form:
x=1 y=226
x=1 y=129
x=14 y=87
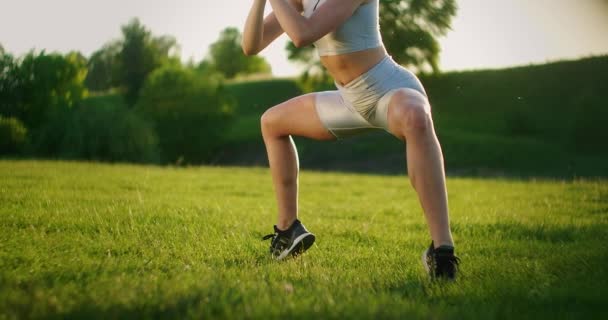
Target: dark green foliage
x=13 y=135
x=257 y=96
x=102 y=132
x=546 y=120
x=141 y=53
x=10 y=84
x=39 y=84
x=190 y=112
x=518 y=123
x=545 y=101
x=226 y=56
x=126 y=63
x=590 y=131
x=104 y=68
x=252 y=99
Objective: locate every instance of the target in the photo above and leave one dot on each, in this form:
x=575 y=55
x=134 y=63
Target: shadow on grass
x=534 y=233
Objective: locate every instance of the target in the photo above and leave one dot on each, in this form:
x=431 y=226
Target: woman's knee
x=417 y=119
x=410 y=113
x=269 y=121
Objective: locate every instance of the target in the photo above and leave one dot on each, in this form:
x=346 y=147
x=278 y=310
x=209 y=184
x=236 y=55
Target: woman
x=373 y=92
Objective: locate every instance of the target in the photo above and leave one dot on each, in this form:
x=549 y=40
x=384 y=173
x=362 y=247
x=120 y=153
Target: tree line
x=172 y=111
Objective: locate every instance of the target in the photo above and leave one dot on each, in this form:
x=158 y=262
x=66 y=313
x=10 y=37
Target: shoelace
x=452 y=259
x=269 y=236
x=449 y=257
x=274 y=241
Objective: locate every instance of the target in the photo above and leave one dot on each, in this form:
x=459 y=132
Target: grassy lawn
x=86 y=240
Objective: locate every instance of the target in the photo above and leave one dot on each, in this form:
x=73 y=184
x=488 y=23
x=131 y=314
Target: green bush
x=104 y=133
x=589 y=134
x=191 y=113
x=254 y=97
x=519 y=123
x=36 y=86
x=12 y=135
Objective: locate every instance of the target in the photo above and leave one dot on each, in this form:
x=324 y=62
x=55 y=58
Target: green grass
x=85 y=240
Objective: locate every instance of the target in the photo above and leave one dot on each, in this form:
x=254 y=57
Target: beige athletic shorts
x=362 y=104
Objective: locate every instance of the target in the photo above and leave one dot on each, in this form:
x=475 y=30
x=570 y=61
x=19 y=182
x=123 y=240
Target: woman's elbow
x=298 y=43
x=249 y=51
x=302 y=40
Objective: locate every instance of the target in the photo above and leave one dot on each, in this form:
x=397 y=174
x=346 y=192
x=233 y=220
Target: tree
x=227 y=56
x=9 y=84
x=38 y=84
x=103 y=67
x=141 y=53
x=409 y=31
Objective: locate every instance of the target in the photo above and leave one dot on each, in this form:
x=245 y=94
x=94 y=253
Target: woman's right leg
x=297 y=116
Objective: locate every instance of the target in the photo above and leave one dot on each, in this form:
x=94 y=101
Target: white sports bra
x=359 y=32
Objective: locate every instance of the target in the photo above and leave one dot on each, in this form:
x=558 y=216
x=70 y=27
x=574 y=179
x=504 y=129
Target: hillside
x=539 y=120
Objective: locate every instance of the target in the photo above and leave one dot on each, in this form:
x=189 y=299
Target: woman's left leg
x=409 y=119
x=299 y=117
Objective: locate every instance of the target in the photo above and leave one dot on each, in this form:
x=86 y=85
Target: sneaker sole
x=300 y=244
x=424 y=263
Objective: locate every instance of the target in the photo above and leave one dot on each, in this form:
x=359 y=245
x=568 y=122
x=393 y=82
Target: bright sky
x=486 y=33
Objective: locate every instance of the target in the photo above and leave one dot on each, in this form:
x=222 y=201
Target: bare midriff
x=346 y=67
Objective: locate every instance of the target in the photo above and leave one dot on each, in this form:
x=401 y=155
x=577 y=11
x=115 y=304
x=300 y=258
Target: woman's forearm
x=293 y=23
x=254 y=28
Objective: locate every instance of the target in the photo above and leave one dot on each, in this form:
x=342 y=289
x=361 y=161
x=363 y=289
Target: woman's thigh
x=297 y=116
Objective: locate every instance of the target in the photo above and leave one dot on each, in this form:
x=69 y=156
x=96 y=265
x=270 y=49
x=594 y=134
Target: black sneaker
x=294 y=240
x=440 y=263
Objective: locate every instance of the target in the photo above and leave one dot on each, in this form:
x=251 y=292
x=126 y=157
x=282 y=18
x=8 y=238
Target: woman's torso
x=348 y=66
